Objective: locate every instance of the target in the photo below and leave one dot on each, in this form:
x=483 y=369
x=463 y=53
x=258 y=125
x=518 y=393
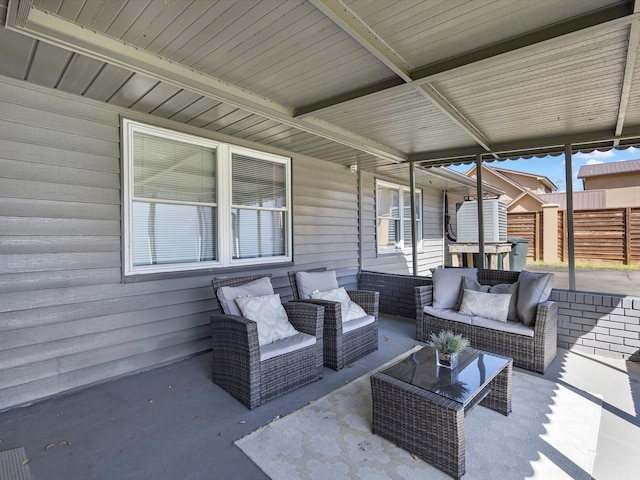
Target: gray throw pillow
x=534 y=288
x=308 y=282
x=228 y=295
x=510 y=288
x=446 y=285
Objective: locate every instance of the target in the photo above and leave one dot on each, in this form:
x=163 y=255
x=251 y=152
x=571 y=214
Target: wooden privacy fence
x=608 y=235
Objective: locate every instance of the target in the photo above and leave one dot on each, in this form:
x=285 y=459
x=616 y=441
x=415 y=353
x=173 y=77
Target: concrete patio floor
x=174 y=423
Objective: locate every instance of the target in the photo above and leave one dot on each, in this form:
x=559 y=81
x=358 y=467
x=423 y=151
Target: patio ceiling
x=379 y=83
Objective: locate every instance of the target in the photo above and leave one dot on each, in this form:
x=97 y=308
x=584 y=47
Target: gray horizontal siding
x=402 y=263
x=66 y=318
x=325 y=216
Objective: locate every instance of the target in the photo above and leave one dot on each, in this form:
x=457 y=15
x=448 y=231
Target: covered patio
x=103 y=349
x=172 y=422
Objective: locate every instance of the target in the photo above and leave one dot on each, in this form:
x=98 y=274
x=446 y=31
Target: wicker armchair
x=343 y=347
x=237 y=364
x=531 y=353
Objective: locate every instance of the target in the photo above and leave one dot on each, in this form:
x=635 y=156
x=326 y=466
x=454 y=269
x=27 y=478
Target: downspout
x=414 y=241
x=570 y=234
x=444 y=227
x=483 y=261
x=360 y=234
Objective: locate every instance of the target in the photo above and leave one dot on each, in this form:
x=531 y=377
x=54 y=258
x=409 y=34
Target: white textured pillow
x=349 y=309
x=227 y=295
x=512 y=288
x=269 y=314
x=446 y=285
x=308 y=282
x=494 y=306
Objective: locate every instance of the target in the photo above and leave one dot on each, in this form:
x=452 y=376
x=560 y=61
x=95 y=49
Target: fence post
x=627 y=236
x=537 y=235
x=550 y=229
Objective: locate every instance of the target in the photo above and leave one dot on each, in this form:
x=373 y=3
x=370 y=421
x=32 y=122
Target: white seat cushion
x=447 y=314
x=511 y=327
x=286 y=345
x=357 y=323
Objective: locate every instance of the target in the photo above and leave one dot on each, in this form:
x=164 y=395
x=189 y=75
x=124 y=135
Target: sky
x=553 y=167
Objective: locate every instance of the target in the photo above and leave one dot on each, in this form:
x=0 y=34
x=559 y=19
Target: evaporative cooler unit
x=495 y=221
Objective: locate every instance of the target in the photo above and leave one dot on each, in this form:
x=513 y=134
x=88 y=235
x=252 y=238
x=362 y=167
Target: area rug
x=552 y=433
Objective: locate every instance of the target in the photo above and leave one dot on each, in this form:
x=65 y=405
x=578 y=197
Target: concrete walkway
x=620 y=282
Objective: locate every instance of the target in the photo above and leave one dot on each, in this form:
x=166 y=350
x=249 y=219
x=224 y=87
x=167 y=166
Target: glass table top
x=475 y=369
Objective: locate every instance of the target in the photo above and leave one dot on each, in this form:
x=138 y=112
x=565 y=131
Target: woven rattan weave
x=341 y=348
x=531 y=353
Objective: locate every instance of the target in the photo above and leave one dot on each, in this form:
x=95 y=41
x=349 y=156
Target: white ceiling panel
x=402 y=118
x=562 y=88
x=370 y=82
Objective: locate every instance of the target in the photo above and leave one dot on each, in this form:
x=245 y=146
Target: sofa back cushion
x=534 y=288
x=308 y=282
x=227 y=295
x=446 y=285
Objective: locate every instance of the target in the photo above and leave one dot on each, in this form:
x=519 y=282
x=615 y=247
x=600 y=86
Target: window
x=394 y=217
x=193 y=203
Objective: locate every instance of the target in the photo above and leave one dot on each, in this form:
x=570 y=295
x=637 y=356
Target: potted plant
x=448 y=345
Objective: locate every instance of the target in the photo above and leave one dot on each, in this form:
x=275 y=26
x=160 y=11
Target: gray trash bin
x=518 y=254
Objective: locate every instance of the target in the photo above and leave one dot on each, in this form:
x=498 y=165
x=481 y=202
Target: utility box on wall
x=495 y=221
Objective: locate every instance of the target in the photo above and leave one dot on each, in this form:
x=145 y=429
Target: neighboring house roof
x=507 y=176
x=611 y=168
x=447 y=174
x=539 y=178
x=586 y=200
x=519 y=198
x=499 y=173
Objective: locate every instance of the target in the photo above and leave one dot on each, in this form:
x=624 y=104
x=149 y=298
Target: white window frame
x=401 y=246
x=224 y=238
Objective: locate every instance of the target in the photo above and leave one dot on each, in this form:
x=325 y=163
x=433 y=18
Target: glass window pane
x=258 y=183
x=258 y=233
x=388 y=202
x=165 y=233
x=172 y=170
x=388 y=228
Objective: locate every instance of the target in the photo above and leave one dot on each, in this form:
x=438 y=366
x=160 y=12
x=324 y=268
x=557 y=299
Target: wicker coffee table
x=420 y=406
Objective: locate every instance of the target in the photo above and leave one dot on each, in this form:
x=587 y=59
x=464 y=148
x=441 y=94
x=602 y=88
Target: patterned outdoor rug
x=552 y=433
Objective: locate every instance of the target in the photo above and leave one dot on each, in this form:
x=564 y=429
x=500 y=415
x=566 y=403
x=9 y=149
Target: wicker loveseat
x=532 y=346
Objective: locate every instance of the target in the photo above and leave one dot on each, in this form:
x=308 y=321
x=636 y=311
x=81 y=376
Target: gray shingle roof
x=584 y=200
x=610 y=168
